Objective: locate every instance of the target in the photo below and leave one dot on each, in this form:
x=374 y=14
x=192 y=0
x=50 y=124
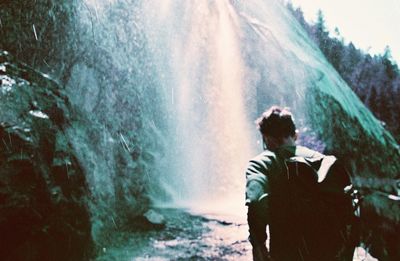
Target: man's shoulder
x=262 y=161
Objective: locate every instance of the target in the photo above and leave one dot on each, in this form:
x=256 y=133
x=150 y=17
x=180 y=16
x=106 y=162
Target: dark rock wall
x=43 y=208
x=97 y=51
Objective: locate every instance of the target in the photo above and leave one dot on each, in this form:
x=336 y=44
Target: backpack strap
x=304 y=171
x=299 y=159
x=326 y=164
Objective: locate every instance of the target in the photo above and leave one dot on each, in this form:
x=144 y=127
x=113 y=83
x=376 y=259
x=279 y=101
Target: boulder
x=154 y=218
x=149 y=220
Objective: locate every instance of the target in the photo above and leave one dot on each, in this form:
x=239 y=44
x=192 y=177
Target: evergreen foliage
x=375 y=79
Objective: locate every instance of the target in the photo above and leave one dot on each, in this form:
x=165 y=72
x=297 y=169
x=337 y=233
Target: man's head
x=277 y=127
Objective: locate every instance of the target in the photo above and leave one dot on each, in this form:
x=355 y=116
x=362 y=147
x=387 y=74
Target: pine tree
x=321 y=32
x=375 y=79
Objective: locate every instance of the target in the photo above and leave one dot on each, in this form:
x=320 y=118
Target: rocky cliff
x=43 y=210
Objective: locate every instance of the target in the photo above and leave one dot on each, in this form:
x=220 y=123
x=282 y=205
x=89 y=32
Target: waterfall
x=210 y=140
x=171 y=89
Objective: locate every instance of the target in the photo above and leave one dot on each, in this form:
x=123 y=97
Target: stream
x=189 y=235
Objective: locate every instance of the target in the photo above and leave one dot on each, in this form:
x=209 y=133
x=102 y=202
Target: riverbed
x=188 y=235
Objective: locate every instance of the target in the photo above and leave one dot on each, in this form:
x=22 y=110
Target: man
x=274 y=197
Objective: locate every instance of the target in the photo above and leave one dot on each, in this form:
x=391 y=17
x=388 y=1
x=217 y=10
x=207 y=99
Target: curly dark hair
x=276 y=122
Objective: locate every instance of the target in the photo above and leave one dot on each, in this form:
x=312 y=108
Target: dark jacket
x=307 y=238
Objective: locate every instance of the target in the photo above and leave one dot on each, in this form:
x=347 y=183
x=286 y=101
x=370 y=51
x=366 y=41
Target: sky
x=370 y=24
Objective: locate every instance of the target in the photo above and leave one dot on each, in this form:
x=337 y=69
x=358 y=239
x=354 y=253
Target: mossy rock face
x=43 y=211
x=368 y=156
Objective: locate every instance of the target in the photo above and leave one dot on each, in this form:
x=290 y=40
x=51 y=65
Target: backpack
x=312 y=211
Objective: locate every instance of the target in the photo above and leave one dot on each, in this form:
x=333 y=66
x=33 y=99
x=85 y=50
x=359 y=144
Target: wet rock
x=154 y=218
x=150 y=220
x=43 y=212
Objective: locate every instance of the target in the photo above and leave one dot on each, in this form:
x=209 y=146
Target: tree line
x=374 y=78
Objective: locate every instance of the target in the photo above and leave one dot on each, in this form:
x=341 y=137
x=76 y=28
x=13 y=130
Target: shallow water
x=189 y=236
x=186 y=237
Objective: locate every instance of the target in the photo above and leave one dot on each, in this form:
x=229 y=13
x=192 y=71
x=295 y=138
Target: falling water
x=211 y=134
x=173 y=87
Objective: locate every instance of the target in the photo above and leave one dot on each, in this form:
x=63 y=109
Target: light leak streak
x=124 y=143
x=5 y=144
x=34 y=32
